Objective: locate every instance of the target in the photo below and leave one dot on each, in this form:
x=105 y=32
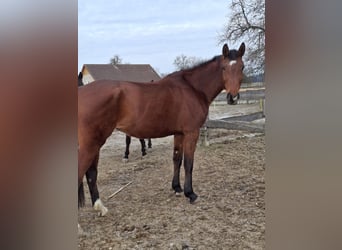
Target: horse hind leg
x=91 y=176
x=85 y=159
x=81 y=198
x=128 y=142
x=149 y=144
x=143 y=147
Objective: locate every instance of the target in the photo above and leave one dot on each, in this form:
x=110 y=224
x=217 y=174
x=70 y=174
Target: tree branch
x=247 y=23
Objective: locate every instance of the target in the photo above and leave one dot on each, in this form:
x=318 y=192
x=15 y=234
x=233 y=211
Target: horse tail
x=81 y=195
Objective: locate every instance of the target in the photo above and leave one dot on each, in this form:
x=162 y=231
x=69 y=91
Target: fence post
x=262 y=105
x=204 y=134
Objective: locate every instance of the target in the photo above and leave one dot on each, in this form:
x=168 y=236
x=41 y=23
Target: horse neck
x=206 y=79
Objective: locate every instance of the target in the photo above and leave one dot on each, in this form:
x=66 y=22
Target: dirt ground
x=228 y=178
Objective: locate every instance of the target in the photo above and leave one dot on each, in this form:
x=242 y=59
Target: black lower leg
x=143 y=147
x=81 y=197
x=177 y=162
x=91 y=176
x=128 y=142
x=149 y=143
x=188 y=192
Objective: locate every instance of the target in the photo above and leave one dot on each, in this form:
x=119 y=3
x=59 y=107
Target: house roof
x=123 y=72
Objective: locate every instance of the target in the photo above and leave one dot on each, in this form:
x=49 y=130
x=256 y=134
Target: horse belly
x=141 y=131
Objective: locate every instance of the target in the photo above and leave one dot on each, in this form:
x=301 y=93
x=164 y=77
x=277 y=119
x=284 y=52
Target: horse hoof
x=98 y=206
x=124 y=160
x=178 y=190
x=81 y=232
x=192 y=198
x=103 y=212
x=178 y=194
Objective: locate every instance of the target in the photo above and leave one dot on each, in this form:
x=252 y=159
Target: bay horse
x=176 y=105
x=142 y=143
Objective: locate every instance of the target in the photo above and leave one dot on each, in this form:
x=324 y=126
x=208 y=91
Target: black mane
x=232 y=55
x=201 y=64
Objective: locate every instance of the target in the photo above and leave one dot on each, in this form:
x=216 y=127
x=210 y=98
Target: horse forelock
x=233 y=54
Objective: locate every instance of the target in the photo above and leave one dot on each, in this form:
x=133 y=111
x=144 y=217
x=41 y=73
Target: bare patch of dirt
x=229 y=213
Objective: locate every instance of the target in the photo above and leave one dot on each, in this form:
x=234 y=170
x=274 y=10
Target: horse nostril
x=235 y=98
x=232 y=100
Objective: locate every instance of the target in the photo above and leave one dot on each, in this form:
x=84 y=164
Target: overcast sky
x=151 y=32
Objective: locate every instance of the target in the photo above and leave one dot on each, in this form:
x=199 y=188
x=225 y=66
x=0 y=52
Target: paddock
x=229 y=179
x=248 y=116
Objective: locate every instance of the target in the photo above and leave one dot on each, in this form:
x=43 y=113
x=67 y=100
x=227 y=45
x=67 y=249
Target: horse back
x=143 y=110
x=159 y=109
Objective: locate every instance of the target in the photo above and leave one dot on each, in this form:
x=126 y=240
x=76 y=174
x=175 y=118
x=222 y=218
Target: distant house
x=80 y=79
x=121 y=72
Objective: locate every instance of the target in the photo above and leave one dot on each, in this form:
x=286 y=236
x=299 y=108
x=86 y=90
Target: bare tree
x=116 y=59
x=247 y=23
x=185 y=62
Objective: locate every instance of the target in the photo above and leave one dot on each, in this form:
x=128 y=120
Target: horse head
x=232 y=67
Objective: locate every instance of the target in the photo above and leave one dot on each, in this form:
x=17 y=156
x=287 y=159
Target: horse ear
x=242 y=49
x=225 y=50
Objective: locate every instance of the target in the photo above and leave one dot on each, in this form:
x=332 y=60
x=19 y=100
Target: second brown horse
x=176 y=105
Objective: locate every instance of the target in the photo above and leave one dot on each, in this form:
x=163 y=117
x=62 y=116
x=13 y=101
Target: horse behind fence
x=142 y=143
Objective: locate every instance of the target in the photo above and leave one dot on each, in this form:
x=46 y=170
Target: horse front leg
x=91 y=176
x=190 y=140
x=177 y=162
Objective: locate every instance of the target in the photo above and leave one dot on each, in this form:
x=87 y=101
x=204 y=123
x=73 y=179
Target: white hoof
x=81 y=232
x=124 y=160
x=98 y=206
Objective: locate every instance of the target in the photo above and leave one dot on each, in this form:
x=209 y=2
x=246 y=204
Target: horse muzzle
x=232 y=100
